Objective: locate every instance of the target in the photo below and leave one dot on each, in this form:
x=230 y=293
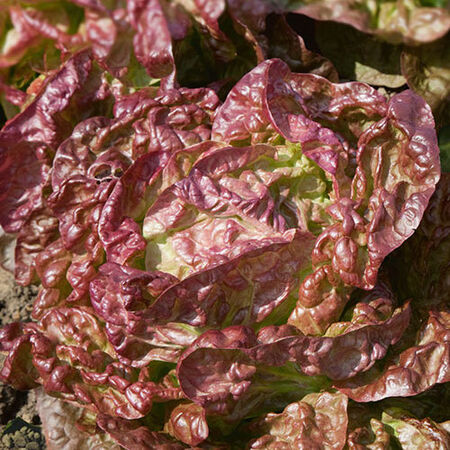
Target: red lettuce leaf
x=30 y=138
x=238 y=365
x=415 y=370
x=317 y=420
x=412 y=432
x=60 y=424
x=132 y=435
x=188 y=424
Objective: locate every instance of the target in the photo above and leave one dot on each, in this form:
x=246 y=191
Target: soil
x=15 y=305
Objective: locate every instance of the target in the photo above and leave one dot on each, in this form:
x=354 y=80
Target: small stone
x=19 y=440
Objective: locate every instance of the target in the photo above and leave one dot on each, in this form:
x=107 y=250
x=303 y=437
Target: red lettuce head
x=215 y=274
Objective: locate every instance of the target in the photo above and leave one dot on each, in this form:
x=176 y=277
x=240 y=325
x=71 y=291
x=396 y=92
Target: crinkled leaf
x=123 y=297
x=188 y=424
x=318 y=420
x=426 y=279
x=413 y=433
x=59 y=424
x=38 y=232
x=373 y=437
x=72 y=358
x=415 y=370
x=32 y=136
x=238 y=365
x=132 y=435
x=424 y=351
x=170 y=263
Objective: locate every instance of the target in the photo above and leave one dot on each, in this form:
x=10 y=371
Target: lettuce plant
x=224 y=274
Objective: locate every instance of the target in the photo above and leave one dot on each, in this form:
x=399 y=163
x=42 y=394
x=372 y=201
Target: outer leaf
x=59 y=426
x=423 y=360
x=17 y=369
x=32 y=136
x=198 y=44
x=417 y=369
x=390 y=20
x=88 y=165
x=237 y=365
x=408 y=119
x=426 y=278
x=132 y=436
x=71 y=357
x=413 y=433
x=318 y=420
x=109 y=32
